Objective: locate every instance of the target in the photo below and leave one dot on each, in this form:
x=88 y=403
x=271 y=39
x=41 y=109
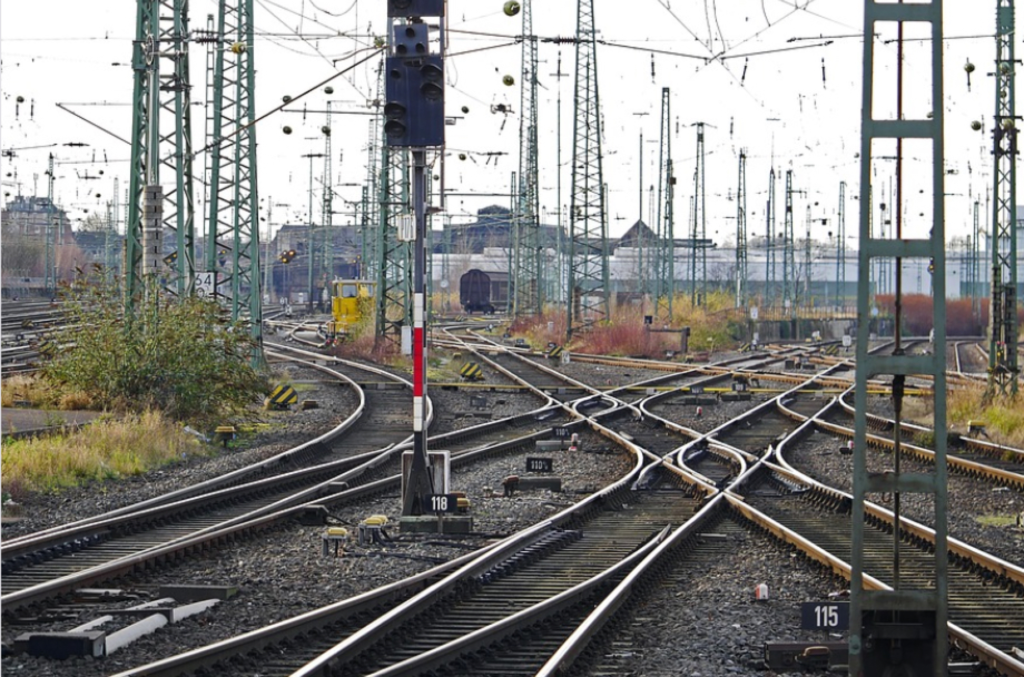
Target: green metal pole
x=1004 y=370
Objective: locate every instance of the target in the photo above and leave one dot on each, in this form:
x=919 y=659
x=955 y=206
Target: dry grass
x=106 y=449
x=25 y=388
x=626 y=334
x=1003 y=418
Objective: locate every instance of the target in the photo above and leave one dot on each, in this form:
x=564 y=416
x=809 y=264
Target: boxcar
x=483 y=292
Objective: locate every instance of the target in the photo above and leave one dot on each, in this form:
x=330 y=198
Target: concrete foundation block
x=538 y=483
x=61 y=645
x=429 y=524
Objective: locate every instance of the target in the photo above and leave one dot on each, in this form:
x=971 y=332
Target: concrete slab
x=429 y=524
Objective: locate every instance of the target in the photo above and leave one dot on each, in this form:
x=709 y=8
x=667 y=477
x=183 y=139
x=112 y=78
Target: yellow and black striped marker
x=745 y=348
x=471 y=371
x=555 y=352
x=283 y=396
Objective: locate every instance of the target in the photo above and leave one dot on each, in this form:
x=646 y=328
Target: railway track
x=998 y=464
x=803 y=514
x=541 y=635
x=39 y=569
x=986 y=598
x=34 y=565
x=475 y=611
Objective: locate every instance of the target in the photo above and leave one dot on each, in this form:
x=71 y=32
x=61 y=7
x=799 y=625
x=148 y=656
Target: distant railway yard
x=618 y=516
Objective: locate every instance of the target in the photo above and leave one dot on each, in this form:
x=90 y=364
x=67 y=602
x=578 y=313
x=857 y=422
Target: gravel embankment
x=469 y=407
x=706 y=622
x=710 y=416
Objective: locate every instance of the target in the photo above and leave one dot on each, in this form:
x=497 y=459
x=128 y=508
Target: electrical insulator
x=508 y=80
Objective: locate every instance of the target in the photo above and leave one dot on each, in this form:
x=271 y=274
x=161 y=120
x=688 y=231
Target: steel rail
x=992 y=656
x=987 y=447
x=235 y=476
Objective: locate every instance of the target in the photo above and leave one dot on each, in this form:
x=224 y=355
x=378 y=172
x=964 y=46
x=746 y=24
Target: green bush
x=180 y=357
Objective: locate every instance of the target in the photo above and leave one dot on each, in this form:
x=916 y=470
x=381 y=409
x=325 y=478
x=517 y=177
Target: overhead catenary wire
x=216 y=142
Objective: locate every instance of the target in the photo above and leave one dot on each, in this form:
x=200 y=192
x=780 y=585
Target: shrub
x=179 y=357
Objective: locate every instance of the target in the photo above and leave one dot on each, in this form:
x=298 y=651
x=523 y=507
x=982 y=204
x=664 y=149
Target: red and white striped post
x=421 y=479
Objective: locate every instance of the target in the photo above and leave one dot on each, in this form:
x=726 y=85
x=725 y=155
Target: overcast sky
x=796 y=107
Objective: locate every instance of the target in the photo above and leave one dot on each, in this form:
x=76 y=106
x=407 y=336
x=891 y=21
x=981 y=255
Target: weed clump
x=107 y=449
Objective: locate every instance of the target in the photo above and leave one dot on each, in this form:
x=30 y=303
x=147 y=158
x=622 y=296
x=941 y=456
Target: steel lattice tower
x=788 y=250
x=233 y=222
x=841 y=245
x=161 y=135
x=1002 y=355
x=588 y=292
x=394 y=257
x=663 y=252
x=975 y=267
x=698 y=230
x=110 y=259
x=371 y=202
x=905 y=624
x=50 y=261
x=312 y=235
x=529 y=287
x=807 y=258
x=741 y=232
x=327 y=208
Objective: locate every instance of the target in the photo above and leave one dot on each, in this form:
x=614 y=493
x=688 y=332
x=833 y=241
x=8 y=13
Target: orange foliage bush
x=918 y=318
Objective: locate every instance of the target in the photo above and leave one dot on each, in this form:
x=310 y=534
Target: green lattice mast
x=742 y=272
x=161 y=136
x=663 y=255
x=789 y=251
x=232 y=227
x=529 y=274
x=698 y=229
x=588 y=293
x=1002 y=361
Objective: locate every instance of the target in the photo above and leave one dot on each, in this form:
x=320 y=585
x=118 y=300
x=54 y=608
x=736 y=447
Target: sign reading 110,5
x=825 y=615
